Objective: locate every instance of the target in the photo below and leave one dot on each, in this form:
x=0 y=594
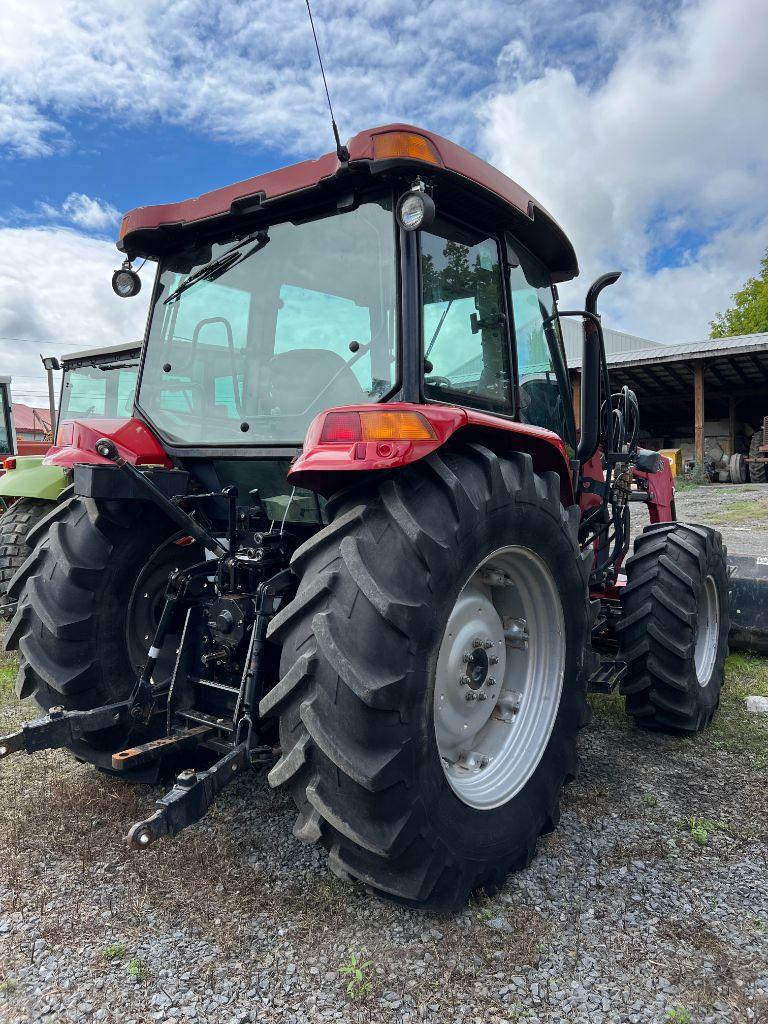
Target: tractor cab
x=98 y=383
x=413 y=273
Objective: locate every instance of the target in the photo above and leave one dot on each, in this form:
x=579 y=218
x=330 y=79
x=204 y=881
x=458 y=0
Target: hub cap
x=707 y=632
x=499 y=677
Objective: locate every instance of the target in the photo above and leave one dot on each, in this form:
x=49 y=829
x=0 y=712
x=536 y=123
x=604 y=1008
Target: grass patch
x=751 y=510
x=733 y=728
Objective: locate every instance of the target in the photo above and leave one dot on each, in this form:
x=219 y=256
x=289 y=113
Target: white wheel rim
x=499 y=677
x=707 y=632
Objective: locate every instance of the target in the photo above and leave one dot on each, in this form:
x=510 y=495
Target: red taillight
x=9 y=463
x=342 y=426
x=376 y=424
x=65 y=433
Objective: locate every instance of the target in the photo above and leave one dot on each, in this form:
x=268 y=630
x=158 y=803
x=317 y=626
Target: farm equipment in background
x=758 y=455
x=407 y=565
x=99 y=382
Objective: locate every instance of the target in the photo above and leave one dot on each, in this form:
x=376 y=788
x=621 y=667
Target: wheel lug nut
x=470 y=696
x=482 y=696
x=493 y=660
x=463 y=680
x=488 y=645
x=478 y=642
x=466 y=657
x=490 y=681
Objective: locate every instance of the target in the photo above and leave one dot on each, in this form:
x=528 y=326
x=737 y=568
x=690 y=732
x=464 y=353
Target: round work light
x=415 y=210
x=126 y=282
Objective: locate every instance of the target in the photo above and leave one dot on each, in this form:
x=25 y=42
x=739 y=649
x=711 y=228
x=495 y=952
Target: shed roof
x=740 y=344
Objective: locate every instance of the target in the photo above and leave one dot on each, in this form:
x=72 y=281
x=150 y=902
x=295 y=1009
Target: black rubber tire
x=22 y=516
x=359 y=647
x=758 y=471
x=659 y=627
x=71 y=626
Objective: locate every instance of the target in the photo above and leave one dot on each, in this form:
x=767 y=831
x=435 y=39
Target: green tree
x=749 y=313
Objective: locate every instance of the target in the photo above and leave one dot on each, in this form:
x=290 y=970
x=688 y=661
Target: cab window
x=544 y=391
x=466 y=353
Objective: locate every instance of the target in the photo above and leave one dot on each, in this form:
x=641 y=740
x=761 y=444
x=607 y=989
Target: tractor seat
x=310 y=380
x=648 y=461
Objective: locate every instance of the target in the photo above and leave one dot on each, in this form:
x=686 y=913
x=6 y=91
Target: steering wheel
x=436 y=380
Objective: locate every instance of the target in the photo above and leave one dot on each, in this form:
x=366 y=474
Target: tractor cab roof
x=125 y=350
x=462 y=182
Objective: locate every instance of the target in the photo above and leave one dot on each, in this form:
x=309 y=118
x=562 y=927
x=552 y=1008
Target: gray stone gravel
x=623 y=917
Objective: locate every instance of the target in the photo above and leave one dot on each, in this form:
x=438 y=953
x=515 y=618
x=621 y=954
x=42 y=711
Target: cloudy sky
x=640 y=124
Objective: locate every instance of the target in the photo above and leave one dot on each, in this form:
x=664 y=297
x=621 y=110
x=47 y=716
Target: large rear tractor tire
x=89 y=596
x=758 y=471
x=434 y=670
x=674 y=627
x=15 y=524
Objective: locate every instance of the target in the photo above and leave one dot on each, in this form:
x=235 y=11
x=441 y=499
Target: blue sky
x=640 y=125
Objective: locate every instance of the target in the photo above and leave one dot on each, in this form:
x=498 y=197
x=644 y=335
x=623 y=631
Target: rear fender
x=325 y=466
x=26 y=476
x=77 y=443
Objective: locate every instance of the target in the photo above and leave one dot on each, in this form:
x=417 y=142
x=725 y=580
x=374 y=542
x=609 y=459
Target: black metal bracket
x=190 y=798
x=60 y=728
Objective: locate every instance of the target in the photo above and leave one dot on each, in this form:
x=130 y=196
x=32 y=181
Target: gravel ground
x=740 y=512
x=648 y=904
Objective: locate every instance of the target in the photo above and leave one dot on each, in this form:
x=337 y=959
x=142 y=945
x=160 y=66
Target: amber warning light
x=405 y=146
x=376 y=426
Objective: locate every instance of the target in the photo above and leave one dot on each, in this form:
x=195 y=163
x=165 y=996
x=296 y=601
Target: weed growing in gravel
x=701 y=828
x=485 y=914
x=8 y=985
x=114 y=951
x=136 y=969
x=679 y=1015
x=355 y=969
x=650 y=800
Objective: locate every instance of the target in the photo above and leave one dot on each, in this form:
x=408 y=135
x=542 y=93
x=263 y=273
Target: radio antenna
x=341 y=151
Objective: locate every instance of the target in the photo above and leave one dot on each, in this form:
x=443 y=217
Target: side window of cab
x=542 y=373
x=466 y=350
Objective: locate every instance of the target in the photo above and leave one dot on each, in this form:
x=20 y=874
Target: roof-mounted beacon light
x=415 y=209
x=126 y=282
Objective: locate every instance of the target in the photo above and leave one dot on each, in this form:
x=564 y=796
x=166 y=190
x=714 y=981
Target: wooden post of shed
x=698 y=406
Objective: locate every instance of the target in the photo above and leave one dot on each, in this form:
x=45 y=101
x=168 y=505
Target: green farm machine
x=98 y=383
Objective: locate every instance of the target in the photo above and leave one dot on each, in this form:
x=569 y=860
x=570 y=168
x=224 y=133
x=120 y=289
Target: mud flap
x=748 y=599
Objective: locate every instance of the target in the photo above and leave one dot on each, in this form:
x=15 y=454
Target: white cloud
x=672 y=140
x=641 y=127
x=89 y=214
x=248 y=71
x=56 y=297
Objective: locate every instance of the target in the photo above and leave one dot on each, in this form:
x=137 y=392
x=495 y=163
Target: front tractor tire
x=673 y=634
x=88 y=598
x=15 y=526
x=433 y=675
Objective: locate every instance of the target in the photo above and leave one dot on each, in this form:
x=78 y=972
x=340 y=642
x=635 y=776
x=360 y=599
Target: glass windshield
x=255 y=348
x=99 y=391
x=5 y=436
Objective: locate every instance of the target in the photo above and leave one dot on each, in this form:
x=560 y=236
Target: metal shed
x=722 y=379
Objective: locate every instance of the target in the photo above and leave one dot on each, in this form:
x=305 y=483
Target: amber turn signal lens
x=404 y=146
x=9 y=463
x=376 y=425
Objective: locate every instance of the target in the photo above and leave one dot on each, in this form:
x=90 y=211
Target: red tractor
x=354 y=409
